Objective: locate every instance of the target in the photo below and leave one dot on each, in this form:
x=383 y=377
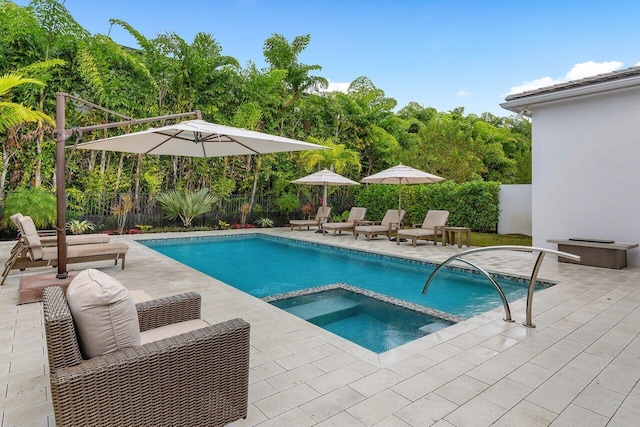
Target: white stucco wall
x=586 y=170
x=515 y=209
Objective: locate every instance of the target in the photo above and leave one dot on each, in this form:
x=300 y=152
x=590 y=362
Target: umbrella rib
x=213 y=137
x=160 y=143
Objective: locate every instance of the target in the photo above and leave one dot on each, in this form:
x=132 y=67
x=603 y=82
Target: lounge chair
x=431 y=228
x=391 y=222
x=33 y=253
x=356 y=214
x=192 y=374
x=321 y=216
x=50 y=238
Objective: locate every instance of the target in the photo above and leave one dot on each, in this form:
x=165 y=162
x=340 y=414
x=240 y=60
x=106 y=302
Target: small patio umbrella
x=197 y=138
x=325 y=177
x=401 y=174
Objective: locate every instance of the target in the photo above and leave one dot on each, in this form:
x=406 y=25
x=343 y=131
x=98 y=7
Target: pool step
x=326 y=310
x=435 y=326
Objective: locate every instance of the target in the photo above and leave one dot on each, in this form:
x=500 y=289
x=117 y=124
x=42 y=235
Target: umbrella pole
x=61 y=206
x=324 y=196
x=399 y=198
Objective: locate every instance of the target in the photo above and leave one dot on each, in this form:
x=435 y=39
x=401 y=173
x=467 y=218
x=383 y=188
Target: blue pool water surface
x=264 y=265
x=373 y=324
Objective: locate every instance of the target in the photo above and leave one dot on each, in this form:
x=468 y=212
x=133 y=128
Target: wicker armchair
x=198 y=378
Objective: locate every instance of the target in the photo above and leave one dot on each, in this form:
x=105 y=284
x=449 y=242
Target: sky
x=438 y=53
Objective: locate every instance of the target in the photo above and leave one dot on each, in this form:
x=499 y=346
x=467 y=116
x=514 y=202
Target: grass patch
x=492 y=239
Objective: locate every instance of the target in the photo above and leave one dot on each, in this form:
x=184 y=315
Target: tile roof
x=600 y=78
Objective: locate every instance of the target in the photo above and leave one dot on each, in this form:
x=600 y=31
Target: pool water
x=264 y=265
x=376 y=325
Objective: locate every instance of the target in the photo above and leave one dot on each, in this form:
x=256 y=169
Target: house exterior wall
x=515 y=209
x=586 y=169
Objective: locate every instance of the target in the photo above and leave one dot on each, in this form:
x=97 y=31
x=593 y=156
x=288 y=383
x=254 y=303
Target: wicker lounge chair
x=356 y=214
x=431 y=228
x=33 y=253
x=321 y=216
x=197 y=378
x=391 y=222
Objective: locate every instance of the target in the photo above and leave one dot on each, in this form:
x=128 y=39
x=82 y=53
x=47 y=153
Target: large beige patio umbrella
x=325 y=177
x=198 y=138
x=401 y=174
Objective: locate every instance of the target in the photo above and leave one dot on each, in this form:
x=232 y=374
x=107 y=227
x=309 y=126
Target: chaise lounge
x=321 y=216
x=431 y=228
x=356 y=214
x=37 y=254
x=391 y=222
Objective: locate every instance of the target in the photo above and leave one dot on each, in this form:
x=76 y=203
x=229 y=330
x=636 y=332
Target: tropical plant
x=13 y=114
x=121 y=210
x=288 y=203
x=75 y=226
x=186 y=204
x=244 y=211
x=336 y=158
x=306 y=209
x=36 y=202
x=265 y=222
x=223 y=225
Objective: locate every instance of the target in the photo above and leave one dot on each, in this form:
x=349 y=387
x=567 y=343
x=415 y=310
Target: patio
x=579 y=366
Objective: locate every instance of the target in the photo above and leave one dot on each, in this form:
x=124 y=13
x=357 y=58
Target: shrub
x=186 y=204
x=472 y=204
x=38 y=203
x=307 y=208
x=76 y=226
x=287 y=202
x=265 y=222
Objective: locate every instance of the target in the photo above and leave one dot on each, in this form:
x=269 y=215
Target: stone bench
x=596 y=253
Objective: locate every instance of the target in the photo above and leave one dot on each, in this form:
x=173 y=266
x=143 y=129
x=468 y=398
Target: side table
x=452 y=235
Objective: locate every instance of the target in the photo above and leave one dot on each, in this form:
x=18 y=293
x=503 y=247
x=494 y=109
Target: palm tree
x=13 y=115
x=338 y=158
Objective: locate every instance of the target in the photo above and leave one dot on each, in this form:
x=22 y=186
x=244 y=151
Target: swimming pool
x=263 y=265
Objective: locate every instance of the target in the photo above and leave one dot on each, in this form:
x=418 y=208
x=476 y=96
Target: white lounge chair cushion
x=78 y=239
x=30 y=233
x=374 y=228
x=417 y=232
x=79 y=251
x=338 y=225
x=171 y=330
x=103 y=312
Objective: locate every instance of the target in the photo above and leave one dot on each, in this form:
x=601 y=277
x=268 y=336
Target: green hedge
x=472 y=204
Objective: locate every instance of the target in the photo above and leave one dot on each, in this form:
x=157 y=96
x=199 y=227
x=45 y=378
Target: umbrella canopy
x=325 y=177
x=401 y=174
x=197 y=138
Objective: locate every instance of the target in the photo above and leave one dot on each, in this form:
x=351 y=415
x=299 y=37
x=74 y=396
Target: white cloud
x=463 y=93
x=587 y=69
x=533 y=84
x=578 y=71
x=337 y=87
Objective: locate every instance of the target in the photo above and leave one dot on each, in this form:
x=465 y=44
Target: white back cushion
x=30 y=234
x=104 y=313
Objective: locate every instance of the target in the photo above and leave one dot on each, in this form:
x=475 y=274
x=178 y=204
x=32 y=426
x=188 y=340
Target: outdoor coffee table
x=456 y=232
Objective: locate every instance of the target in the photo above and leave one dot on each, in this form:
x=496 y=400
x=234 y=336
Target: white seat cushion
x=104 y=313
x=171 y=330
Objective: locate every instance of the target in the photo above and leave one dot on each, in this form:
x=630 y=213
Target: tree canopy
x=168 y=74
